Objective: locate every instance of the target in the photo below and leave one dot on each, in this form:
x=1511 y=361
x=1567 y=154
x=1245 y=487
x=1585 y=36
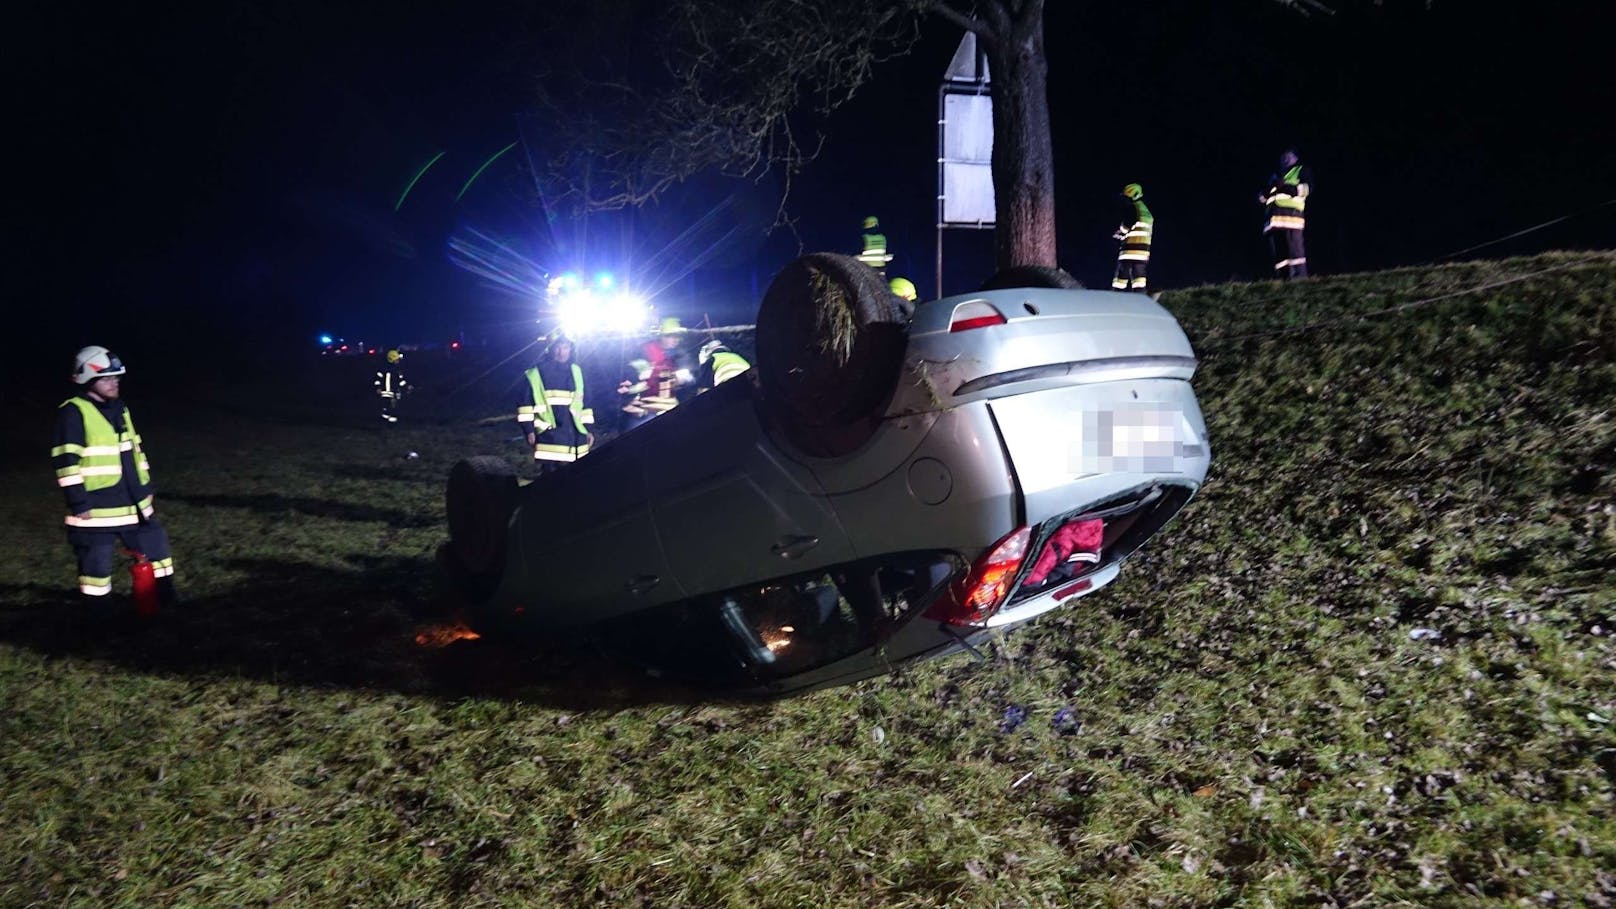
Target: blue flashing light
x=604 y=279
x=326 y=339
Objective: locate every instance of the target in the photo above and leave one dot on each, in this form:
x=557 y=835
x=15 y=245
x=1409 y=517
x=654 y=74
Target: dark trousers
x=94 y=551
x=1130 y=275
x=1290 y=258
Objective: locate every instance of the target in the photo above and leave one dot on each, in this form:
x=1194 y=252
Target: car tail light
x=973 y=600
x=975 y=314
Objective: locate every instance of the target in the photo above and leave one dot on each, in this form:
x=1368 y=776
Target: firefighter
x=875 y=252
x=1286 y=201
x=390 y=386
x=552 y=412
x=630 y=391
x=102 y=469
x=719 y=364
x=655 y=380
x=904 y=289
x=1135 y=236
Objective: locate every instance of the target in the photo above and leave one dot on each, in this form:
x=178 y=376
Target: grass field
x=1372 y=664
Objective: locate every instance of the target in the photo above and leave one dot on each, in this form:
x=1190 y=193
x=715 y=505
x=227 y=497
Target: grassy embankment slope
x=1252 y=718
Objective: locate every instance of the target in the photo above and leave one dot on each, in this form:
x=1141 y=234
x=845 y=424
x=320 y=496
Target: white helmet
x=707 y=350
x=95 y=362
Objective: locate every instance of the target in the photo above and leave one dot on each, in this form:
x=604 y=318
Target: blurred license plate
x=1140 y=438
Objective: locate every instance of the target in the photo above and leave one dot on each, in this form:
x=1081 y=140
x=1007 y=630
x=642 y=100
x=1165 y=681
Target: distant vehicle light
x=454 y=345
x=326 y=339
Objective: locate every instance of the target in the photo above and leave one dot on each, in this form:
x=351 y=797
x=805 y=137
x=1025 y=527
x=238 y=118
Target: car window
x=807 y=621
x=765 y=633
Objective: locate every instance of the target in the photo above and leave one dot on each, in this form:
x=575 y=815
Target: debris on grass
x=1014 y=716
x=445 y=634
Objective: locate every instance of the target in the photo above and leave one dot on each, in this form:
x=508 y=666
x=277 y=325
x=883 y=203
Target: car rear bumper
x=1079 y=445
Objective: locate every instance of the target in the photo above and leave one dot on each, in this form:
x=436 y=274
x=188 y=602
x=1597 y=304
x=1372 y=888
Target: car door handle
x=792 y=547
x=642 y=583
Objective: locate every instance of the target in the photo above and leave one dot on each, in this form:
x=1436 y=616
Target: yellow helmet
x=904 y=288
x=394 y=356
x=671 y=326
x=1134 y=192
x=870 y=223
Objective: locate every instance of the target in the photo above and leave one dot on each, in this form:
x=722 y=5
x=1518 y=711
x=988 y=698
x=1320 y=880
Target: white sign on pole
x=967 y=160
x=964 y=145
x=965 y=140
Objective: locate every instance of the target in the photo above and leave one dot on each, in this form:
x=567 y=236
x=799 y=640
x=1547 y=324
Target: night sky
x=223 y=176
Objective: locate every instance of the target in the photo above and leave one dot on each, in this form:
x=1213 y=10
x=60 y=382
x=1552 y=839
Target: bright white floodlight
x=585 y=310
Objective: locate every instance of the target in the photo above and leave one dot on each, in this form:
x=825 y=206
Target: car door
x=729 y=508
x=588 y=540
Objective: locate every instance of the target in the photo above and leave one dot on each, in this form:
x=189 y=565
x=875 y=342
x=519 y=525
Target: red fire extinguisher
x=144 y=579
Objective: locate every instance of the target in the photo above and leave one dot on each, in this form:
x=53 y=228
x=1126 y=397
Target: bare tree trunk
x=1023 y=157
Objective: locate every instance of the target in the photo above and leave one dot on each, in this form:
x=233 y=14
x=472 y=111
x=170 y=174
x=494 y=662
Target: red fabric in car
x=1078 y=541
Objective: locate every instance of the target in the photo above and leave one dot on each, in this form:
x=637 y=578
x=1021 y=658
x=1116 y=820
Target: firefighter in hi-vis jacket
x=1285 y=203
x=552 y=412
x=719 y=364
x=101 y=467
x=390 y=386
x=874 y=252
x=1134 y=256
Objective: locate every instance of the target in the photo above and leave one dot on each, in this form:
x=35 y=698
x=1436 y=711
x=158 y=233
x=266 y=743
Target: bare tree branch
x=964 y=20
x=1307 y=7
x=735 y=87
x=643 y=94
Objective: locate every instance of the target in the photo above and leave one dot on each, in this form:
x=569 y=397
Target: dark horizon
x=204 y=177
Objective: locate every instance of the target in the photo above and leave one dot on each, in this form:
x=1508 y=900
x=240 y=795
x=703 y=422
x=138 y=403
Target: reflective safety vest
x=98 y=465
x=875 y=251
x=727 y=365
x=1136 y=242
x=541 y=413
x=1286 y=201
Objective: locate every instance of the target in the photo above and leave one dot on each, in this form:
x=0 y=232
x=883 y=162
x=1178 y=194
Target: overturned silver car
x=887 y=484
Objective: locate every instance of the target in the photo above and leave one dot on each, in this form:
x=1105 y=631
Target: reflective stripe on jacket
x=92 y=460
x=388 y=386
x=1136 y=244
x=540 y=414
x=875 y=251
x=727 y=365
x=1287 y=200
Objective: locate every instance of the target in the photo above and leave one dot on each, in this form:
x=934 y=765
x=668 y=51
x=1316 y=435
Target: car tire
x=480 y=498
x=830 y=343
x=1032 y=276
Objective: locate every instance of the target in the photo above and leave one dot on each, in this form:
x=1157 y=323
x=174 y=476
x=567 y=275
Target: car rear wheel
x=1032 y=276
x=480 y=498
x=830 y=343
